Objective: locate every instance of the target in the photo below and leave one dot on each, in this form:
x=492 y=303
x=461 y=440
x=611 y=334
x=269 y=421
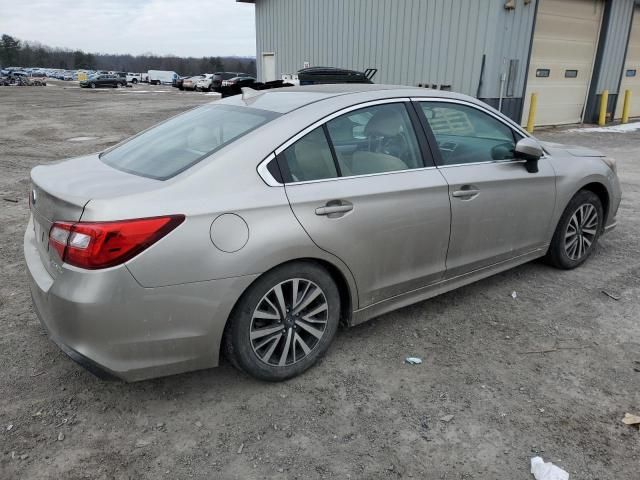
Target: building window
x=630 y=73
x=543 y=72
x=570 y=73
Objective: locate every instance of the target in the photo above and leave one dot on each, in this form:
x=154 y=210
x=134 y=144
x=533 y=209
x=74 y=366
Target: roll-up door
x=564 y=47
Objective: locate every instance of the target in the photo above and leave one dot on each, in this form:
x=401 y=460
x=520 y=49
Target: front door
x=498 y=209
x=360 y=188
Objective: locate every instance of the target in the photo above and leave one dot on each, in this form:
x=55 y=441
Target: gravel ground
x=361 y=413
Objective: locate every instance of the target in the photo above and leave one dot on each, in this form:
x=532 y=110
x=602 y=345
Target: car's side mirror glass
x=530 y=150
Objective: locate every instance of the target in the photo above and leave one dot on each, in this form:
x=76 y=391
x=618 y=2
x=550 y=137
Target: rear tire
x=284 y=322
x=577 y=232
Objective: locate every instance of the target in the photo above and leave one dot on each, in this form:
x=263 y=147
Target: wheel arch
x=346 y=289
x=603 y=194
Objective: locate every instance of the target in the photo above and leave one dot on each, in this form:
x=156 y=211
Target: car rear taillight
x=95 y=245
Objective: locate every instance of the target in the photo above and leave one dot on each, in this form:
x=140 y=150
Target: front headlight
x=611 y=162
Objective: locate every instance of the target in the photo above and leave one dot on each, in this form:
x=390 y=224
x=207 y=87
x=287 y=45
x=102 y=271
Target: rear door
x=364 y=189
x=498 y=210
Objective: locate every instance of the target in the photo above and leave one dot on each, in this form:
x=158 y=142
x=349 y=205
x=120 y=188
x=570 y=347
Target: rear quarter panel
x=230 y=184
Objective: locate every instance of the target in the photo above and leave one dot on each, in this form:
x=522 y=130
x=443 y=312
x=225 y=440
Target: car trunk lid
x=60 y=192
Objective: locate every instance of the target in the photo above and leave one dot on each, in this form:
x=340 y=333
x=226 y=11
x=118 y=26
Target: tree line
x=17 y=53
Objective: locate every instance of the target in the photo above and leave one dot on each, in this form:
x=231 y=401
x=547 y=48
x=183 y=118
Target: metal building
x=567 y=51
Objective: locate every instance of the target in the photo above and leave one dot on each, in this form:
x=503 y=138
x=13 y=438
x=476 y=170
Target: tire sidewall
x=557 y=249
x=238 y=344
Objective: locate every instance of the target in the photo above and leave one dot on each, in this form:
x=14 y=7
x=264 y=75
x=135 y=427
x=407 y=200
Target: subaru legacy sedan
x=283 y=213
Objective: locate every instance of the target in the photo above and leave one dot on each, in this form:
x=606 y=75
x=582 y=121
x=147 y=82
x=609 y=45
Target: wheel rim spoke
x=280 y=296
x=256 y=334
x=581 y=231
x=267 y=356
x=312 y=330
x=285 y=350
x=314 y=312
x=301 y=342
x=289 y=322
x=306 y=301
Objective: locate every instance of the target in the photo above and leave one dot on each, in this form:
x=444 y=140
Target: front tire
x=284 y=322
x=577 y=232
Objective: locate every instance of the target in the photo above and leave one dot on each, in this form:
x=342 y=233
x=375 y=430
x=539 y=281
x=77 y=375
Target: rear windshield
x=179 y=143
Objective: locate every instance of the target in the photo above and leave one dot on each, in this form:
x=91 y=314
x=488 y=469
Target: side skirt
x=424 y=293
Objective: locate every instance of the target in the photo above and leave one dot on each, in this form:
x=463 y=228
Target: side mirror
x=530 y=150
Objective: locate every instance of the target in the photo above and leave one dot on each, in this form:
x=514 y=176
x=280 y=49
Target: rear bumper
x=111 y=325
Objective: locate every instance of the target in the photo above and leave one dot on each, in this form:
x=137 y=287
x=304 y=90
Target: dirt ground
x=361 y=413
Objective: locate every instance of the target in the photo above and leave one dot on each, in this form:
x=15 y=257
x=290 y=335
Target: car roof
x=287 y=99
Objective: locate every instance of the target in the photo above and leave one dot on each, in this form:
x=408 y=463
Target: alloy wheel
x=581 y=231
x=289 y=322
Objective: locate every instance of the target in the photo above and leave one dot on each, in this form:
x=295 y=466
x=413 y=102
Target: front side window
x=179 y=143
x=466 y=135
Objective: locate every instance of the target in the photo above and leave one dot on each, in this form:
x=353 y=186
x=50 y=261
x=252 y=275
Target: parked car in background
x=234 y=85
x=134 y=77
x=101 y=81
x=121 y=75
x=263 y=221
x=190 y=83
x=238 y=81
x=37 y=78
x=18 y=77
x=214 y=82
x=159 y=77
x=145 y=78
x=178 y=82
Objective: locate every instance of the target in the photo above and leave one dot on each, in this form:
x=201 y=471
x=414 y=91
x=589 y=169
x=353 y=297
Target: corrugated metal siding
x=615 y=46
x=411 y=42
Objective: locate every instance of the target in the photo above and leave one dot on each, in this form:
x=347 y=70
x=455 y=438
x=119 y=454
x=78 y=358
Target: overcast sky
x=181 y=27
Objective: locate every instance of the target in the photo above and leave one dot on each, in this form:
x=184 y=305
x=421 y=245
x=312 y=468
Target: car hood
x=559 y=149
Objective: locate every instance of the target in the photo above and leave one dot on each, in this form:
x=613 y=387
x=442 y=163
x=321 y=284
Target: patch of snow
x=81 y=139
x=622 y=128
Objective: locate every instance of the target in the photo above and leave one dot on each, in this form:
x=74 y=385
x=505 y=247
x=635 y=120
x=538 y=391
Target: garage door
x=631 y=72
x=564 y=48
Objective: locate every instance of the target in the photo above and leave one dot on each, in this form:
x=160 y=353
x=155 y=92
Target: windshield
x=175 y=145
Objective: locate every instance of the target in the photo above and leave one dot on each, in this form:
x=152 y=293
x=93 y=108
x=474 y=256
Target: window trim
x=405 y=101
x=432 y=139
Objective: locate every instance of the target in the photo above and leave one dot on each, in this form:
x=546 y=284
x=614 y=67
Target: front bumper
x=113 y=326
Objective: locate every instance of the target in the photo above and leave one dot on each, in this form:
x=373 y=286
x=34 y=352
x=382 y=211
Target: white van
x=157 y=77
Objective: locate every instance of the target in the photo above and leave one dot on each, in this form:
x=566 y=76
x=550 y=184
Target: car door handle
x=331 y=209
x=465 y=193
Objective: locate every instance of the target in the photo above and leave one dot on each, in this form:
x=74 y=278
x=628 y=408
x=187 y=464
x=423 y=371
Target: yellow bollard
x=604 y=101
x=532 y=112
x=626 y=105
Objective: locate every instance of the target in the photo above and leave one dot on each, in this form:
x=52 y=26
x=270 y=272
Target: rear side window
x=179 y=143
x=309 y=158
x=375 y=139
x=369 y=140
